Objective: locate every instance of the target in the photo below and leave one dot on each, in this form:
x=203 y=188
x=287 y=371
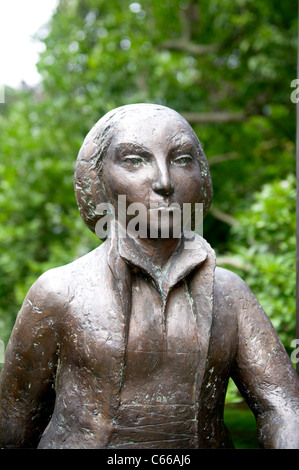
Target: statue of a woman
x=132 y=345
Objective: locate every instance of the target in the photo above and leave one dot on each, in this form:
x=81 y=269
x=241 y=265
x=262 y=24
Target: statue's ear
x=207 y=190
x=206 y=195
x=89 y=190
x=87 y=184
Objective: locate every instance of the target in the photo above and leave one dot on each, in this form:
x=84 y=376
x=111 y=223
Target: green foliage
x=242 y=426
x=264 y=243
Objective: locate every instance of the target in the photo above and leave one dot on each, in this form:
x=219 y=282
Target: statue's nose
x=163 y=183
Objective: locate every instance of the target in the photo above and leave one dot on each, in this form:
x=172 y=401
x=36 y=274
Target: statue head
x=147 y=152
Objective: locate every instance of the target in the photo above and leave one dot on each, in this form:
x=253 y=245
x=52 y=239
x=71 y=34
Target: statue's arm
x=263 y=371
x=27 y=380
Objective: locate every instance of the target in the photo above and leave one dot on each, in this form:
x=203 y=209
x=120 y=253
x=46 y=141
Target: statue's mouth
x=163 y=207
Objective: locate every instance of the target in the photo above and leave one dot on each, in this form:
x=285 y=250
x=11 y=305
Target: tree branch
x=189 y=16
x=189 y=47
x=215 y=117
x=234 y=262
x=222 y=158
x=218 y=214
x=186 y=25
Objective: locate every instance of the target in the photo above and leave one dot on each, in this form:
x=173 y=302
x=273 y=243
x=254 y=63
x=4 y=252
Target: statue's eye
x=134 y=160
x=182 y=160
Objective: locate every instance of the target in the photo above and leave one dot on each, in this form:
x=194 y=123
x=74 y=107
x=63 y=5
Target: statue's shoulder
x=229 y=283
x=226 y=277
x=58 y=284
x=233 y=295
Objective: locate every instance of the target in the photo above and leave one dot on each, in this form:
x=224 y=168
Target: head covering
x=89 y=188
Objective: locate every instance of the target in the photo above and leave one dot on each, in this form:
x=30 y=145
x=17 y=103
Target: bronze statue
x=132 y=345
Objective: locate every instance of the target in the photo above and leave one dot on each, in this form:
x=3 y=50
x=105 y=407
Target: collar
x=185 y=259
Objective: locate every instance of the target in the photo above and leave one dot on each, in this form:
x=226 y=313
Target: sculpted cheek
x=189 y=187
x=195 y=187
x=113 y=182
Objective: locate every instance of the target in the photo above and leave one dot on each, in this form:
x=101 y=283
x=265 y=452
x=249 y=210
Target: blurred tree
x=262 y=251
x=227 y=66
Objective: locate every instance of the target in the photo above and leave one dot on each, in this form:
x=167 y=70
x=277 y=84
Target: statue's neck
x=158 y=250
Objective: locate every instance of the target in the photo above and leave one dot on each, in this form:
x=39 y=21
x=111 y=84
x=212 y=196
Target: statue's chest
x=157 y=325
x=163 y=345
x=159 y=390
x=153 y=335
x=151 y=350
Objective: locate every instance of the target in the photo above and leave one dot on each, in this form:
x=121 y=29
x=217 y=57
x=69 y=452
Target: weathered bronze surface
x=132 y=345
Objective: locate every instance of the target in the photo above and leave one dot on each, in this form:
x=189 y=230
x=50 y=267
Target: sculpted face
x=146 y=153
x=152 y=158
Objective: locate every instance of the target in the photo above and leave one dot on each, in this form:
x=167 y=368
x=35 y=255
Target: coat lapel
x=200 y=273
x=202 y=291
x=123 y=289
